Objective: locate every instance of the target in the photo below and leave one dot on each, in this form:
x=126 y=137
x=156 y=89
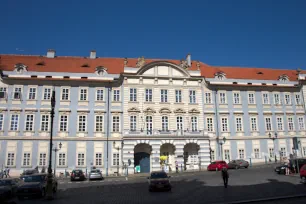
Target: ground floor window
x=304 y=151
x=283 y=152
x=256 y=153
x=42 y=159
x=81 y=159
x=212 y=155
x=26 y=159
x=62 y=159
x=241 y=153
x=271 y=152
x=115 y=159
x=98 y=159
x=226 y=154
x=10 y=159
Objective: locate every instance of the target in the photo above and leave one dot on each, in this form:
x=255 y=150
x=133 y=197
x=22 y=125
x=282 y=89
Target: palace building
x=110 y=111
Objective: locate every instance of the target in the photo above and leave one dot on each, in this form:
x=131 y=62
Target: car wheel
x=246 y=167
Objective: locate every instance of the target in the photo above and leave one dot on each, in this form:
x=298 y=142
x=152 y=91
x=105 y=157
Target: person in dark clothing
x=225 y=176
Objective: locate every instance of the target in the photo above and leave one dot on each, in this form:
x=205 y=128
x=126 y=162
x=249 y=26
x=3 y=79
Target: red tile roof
x=116 y=66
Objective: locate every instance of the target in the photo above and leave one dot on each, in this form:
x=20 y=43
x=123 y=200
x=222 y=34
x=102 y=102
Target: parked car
x=216 y=166
x=281 y=169
x=237 y=164
x=30 y=172
x=303 y=173
x=95 y=174
x=77 y=175
x=293 y=165
x=34 y=185
x=8 y=188
x=159 y=180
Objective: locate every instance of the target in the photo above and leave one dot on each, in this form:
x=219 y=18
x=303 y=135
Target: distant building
x=179 y=108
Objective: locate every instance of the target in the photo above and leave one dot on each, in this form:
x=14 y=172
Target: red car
x=303 y=172
x=217 y=166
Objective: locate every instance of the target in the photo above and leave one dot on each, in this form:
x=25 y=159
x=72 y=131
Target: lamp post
x=221 y=143
x=273 y=138
x=55 y=152
x=118 y=149
x=50 y=176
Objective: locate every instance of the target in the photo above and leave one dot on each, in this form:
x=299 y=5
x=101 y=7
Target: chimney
x=188 y=59
x=93 y=54
x=51 y=53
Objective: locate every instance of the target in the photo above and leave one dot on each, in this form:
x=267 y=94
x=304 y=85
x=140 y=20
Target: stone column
x=154 y=158
x=179 y=154
x=128 y=153
x=204 y=154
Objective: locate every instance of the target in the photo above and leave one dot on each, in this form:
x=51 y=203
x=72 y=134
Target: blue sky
x=251 y=33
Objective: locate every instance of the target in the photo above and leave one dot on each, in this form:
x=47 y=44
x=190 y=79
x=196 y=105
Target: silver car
x=95 y=174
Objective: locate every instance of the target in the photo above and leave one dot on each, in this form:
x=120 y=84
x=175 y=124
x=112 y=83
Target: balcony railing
x=156 y=132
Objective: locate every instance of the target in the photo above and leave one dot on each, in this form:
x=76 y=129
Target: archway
x=191 y=156
x=168 y=150
x=142 y=154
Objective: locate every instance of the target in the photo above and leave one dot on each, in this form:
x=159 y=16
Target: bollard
x=250 y=162
x=65 y=173
x=266 y=159
x=181 y=167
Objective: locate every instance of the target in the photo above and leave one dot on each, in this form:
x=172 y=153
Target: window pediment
x=133 y=110
x=149 y=110
x=179 y=110
x=195 y=111
x=165 y=110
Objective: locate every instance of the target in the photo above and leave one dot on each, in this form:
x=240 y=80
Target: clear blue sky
x=252 y=33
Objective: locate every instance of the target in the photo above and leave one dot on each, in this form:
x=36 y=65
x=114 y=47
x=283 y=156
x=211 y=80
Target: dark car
x=8 y=188
x=34 y=185
x=293 y=165
x=159 y=181
x=281 y=169
x=77 y=175
x=237 y=164
x=30 y=172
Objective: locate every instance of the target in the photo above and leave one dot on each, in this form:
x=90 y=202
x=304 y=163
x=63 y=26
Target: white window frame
x=26 y=161
x=278 y=124
x=236 y=98
x=149 y=124
x=46 y=95
x=210 y=124
x=81 y=161
x=298 y=99
x=63 y=123
x=31 y=123
x=99 y=94
x=283 y=152
x=253 y=126
x=18 y=89
x=98 y=159
x=42 y=127
x=287 y=99
x=133 y=94
x=178 y=96
x=222 y=97
x=10 y=159
x=32 y=93
x=149 y=95
x=224 y=126
x=241 y=153
x=179 y=123
x=256 y=153
x=192 y=96
x=83 y=94
x=290 y=122
x=65 y=96
x=212 y=155
x=239 y=129
x=304 y=151
x=268 y=124
x=227 y=154
x=165 y=123
x=84 y=123
x=164 y=96
x=18 y=121
x=194 y=123
x=1 y=121
x=251 y=100
x=276 y=102
x=265 y=102
x=133 y=122
x=301 y=123
x=116 y=124
x=62 y=159
x=115 y=159
x=42 y=159
x=99 y=125
x=4 y=90
x=208 y=97
x=116 y=95
x=271 y=152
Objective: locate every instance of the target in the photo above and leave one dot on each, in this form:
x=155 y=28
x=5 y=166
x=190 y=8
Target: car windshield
x=77 y=171
x=5 y=182
x=213 y=162
x=95 y=171
x=36 y=178
x=158 y=175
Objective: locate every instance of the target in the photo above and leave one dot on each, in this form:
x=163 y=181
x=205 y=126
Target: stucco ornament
x=20 y=68
x=125 y=61
x=283 y=78
x=198 y=65
x=184 y=64
x=141 y=61
x=100 y=70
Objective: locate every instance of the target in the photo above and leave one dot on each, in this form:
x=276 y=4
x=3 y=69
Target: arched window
x=165 y=127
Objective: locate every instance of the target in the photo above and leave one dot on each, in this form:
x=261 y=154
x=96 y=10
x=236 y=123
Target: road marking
x=117 y=180
x=101 y=181
x=94 y=181
x=78 y=182
x=69 y=182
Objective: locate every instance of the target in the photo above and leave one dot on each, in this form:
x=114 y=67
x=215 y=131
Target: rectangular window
x=164 y=123
x=287 y=99
x=32 y=93
x=239 y=124
x=236 y=98
x=116 y=122
x=148 y=95
x=149 y=125
x=100 y=95
x=208 y=97
x=133 y=122
x=276 y=99
x=192 y=96
x=133 y=94
x=226 y=154
x=268 y=124
x=256 y=153
x=17 y=93
x=222 y=98
x=98 y=159
x=65 y=94
x=163 y=95
x=279 y=122
x=179 y=123
x=271 y=152
x=241 y=153
x=10 y=159
x=212 y=155
x=29 y=123
x=26 y=159
x=62 y=159
x=14 y=122
x=301 y=123
x=116 y=95
x=82 y=123
x=265 y=97
x=298 y=99
x=45 y=123
x=210 y=125
x=304 y=151
x=194 y=124
x=290 y=124
x=253 y=124
x=283 y=152
x=64 y=123
x=42 y=159
x=47 y=93
x=81 y=159
x=115 y=159
x=251 y=98
x=224 y=125
x=83 y=94
x=99 y=123
x=3 y=93
x=178 y=96
x=1 y=121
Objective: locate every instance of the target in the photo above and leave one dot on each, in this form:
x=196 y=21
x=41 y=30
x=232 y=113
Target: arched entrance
x=191 y=156
x=168 y=150
x=142 y=154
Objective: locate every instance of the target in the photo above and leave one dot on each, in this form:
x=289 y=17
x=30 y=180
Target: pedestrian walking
x=4 y=172
x=225 y=176
x=288 y=169
x=176 y=166
x=8 y=173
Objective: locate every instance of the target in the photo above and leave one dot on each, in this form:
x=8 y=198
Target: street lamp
x=273 y=138
x=56 y=150
x=118 y=148
x=221 y=143
x=50 y=176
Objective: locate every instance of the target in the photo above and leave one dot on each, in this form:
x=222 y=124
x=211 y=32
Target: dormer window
x=100 y=71
x=283 y=78
x=220 y=75
x=20 y=68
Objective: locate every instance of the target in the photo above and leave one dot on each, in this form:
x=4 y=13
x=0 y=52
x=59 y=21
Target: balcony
x=155 y=133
